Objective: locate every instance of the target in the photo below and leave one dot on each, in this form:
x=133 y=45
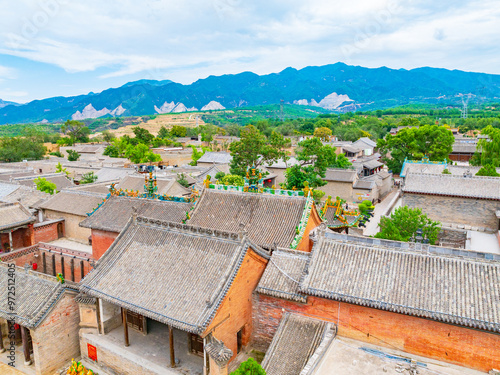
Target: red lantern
x=35 y=266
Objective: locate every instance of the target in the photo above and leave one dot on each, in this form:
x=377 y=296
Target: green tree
x=20 y=148
x=107 y=136
x=490 y=147
x=249 y=367
x=88 y=178
x=414 y=143
x=232 y=179
x=60 y=169
x=488 y=170
x=403 y=224
x=341 y=161
x=314 y=158
x=46 y=186
x=219 y=175
x=181 y=179
x=143 y=135
x=323 y=133
x=255 y=149
x=73 y=155
x=178 y=131
x=76 y=131
x=196 y=155
x=141 y=154
x=163 y=133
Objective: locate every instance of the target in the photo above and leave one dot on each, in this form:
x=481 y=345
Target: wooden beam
x=72 y=268
x=62 y=266
x=26 y=350
x=125 y=326
x=44 y=262
x=172 y=352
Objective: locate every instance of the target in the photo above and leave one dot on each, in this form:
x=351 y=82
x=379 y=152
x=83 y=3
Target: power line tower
x=465 y=102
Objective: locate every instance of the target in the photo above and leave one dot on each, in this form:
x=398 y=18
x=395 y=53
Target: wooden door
x=196 y=344
x=136 y=321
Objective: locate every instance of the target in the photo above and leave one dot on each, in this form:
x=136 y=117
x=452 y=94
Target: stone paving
x=380 y=210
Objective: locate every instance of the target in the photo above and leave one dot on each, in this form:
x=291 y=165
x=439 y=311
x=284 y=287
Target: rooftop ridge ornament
x=341 y=214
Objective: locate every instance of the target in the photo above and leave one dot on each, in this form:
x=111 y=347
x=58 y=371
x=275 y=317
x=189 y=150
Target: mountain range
x=336 y=87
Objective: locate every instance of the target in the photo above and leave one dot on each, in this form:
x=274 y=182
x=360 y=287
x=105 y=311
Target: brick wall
x=235 y=312
x=20 y=238
x=101 y=241
x=340 y=189
x=69 y=263
x=55 y=341
x=28 y=255
x=48 y=232
x=473 y=212
x=445 y=342
x=72 y=229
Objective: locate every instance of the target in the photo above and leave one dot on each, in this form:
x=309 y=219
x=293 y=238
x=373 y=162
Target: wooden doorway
x=60 y=232
x=195 y=344
x=137 y=321
x=239 y=340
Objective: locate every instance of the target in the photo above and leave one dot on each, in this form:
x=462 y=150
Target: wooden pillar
x=72 y=267
x=54 y=272
x=2 y=349
x=125 y=326
x=82 y=270
x=11 y=243
x=172 y=352
x=98 y=316
x=26 y=349
x=62 y=266
x=44 y=262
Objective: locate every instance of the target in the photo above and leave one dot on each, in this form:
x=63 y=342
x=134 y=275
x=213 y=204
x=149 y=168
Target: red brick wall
x=20 y=238
x=77 y=265
x=235 y=312
x=101 y=241
x=47 y=233
x=22 y=257
x=462 y=346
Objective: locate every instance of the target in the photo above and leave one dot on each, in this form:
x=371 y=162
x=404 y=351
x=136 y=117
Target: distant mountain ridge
x=3 y=103
x=336 y=87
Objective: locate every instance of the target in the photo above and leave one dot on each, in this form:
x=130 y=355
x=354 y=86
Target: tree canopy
x=249 y=367
x=432 y=141
x=255 y=149
x=20 y=148
x=490 y=148
x=403 y=224
x=45 y=185
x=76 y=131
x=488 y=170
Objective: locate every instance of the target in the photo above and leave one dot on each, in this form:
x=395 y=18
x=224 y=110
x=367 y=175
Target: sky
x=72 y=47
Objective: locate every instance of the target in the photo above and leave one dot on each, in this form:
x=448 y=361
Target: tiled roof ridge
x=44 y=175
x=86 y=193
x=291 y=252
x=188 y=228
x=244 y=194
x=425 y=250
x=454 y=176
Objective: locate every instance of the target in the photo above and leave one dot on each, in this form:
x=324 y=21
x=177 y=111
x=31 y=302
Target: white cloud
x=192 y=39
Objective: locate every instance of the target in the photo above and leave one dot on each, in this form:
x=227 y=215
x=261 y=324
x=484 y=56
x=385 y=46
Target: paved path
x=380 y=209
x=7 y=370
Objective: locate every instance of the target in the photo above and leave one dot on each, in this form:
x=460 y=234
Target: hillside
x=338 y=87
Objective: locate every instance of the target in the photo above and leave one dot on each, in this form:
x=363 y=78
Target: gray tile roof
x=280 y=164
x=282 y=275
x=78 y=203
x=365 y=142
x=352 y=148
x=451 y=289
x=174 y=273
x=216 y=157
x=6 y=189
x=453 y=185
x=465 y=148
x=112 y=174
x=295 y=341
x=59 y=179
x=340 y=175
x=28 y=196
x=364 y=184
x=269 y=219
x=36 y=295
x=114 y=214
x=372 y=164
x=165 y=186
x=13 y=215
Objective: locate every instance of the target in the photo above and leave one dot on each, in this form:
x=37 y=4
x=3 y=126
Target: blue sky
x=71 y=47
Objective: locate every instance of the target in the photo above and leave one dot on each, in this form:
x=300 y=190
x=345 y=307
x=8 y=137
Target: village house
x=209 y=158
x=168 y=186
x=59 y=179
x=456 y=201
x=198 y=320
x=270 y=220
x=111 y=217
x=72 y=206
x=279 y=168
x=44 y=321
x=348 y=185
x=16 y=227
x=372 y=290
